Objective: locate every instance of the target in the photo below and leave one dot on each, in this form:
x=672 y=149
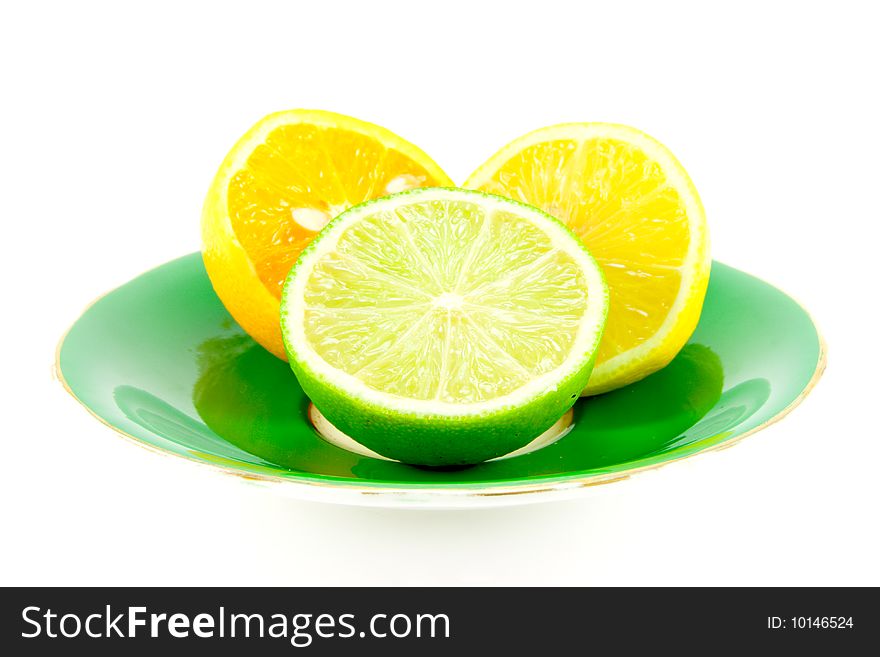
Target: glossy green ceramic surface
x=160 y=360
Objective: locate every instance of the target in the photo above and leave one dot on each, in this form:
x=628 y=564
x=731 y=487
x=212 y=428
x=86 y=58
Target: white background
x=114 y=119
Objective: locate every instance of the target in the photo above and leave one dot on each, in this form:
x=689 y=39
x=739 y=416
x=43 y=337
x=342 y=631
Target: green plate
x=160 y=361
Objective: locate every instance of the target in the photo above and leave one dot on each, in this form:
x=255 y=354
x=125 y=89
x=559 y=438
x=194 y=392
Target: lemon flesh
x=442 y=326
x=634 y=206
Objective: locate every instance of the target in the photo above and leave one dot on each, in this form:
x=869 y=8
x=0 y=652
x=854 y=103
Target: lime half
x=443 y=326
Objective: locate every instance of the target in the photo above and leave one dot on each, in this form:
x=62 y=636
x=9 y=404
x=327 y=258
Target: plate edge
x=455 y=492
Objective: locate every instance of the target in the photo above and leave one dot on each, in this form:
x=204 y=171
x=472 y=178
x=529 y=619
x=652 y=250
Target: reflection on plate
x=160 y=361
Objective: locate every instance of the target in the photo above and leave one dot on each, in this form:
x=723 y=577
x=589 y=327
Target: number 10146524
x=810 y=623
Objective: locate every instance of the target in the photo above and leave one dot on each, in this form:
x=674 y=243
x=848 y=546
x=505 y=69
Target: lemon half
x=634 y=206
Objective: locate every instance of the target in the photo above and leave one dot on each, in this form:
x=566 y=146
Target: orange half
x=284 y=180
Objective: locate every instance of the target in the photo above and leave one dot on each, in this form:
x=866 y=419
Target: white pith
x=585 y=343
x=691 y=275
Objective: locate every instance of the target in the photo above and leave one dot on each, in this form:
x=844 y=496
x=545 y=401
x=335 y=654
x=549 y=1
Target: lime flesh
x=443 y=327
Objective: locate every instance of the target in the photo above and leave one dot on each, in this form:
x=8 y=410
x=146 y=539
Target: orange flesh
x=301 y=177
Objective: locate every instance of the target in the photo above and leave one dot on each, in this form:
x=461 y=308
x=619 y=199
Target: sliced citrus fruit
x=443 y=326
x=278 y=186
x=634 y=206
